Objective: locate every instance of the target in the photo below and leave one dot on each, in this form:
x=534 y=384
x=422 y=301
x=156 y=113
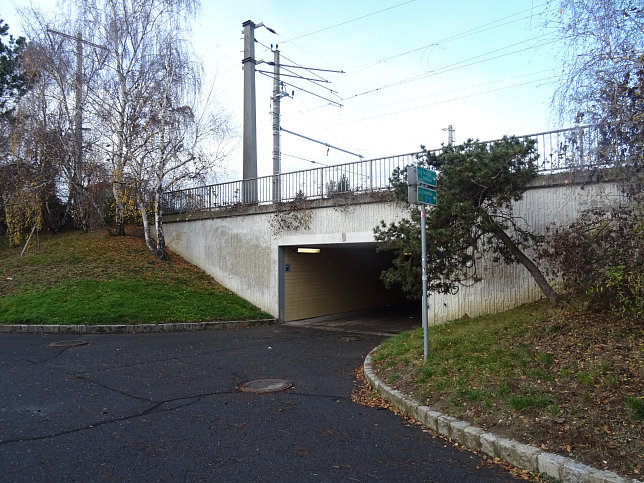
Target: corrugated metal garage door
x=337 y=279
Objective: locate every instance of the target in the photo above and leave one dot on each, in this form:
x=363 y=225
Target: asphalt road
x=166 y=407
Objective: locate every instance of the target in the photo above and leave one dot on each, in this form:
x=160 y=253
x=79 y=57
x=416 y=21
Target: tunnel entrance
x=320 y=280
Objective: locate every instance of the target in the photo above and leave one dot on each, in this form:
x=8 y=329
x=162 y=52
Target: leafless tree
x=148 y=102
x=602 y=77
x=125 y=70
x=48 y=124
x=603 y=41
x=186 y=142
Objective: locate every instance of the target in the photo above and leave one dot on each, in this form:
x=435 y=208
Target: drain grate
x=67 y=344
x=261 y=386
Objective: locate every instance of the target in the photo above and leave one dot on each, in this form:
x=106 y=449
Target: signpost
x=419 y=181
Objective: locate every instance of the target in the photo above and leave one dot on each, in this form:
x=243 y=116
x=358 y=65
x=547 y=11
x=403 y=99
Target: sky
x=411 y=69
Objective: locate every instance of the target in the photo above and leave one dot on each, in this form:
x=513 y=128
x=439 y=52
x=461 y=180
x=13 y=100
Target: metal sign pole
x=419 y=180
x=424 y=265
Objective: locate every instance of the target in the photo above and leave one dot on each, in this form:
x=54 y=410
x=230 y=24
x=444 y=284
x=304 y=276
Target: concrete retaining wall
x=553 y=201
x=240 y=247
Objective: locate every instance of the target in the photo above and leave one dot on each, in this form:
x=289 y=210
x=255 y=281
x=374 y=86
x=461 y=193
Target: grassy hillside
x=93 y=278
x=560 y=378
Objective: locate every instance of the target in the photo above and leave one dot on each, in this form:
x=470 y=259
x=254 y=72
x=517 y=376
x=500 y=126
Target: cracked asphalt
x=166 y=407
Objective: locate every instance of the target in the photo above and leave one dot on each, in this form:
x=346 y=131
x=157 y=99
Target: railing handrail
x=360 y=176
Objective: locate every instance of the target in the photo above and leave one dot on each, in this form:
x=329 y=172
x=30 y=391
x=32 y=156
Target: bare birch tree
x=187 y=141
x=149 y=101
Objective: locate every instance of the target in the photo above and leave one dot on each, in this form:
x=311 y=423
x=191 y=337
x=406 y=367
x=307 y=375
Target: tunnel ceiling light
x=308 y=250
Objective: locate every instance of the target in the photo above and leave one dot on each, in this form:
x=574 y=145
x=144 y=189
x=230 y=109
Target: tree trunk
x=521 y=257
x=161 y=252
x=146 y=227
x=119 y=210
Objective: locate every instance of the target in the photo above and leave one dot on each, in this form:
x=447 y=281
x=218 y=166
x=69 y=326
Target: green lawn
x=560 y=378
x=93 y=278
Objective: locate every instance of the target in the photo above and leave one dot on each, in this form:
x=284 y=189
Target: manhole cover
x=261 y=386
x=67 y=344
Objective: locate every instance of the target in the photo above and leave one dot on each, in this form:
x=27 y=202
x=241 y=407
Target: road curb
x=521 y=455
x=133 y=329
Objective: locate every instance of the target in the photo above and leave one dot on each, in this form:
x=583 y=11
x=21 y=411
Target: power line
x=307 y=109
x=497 y=81
x=299 y=65
x=456 y=65
x=312 y=81
x=551 y=78
x=309 y=68
x=316 y=81
x=331 y=101
x=348 y=21
x=292 y=74
x=465 y=33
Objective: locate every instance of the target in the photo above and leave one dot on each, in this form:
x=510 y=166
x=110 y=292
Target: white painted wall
x=240 y=248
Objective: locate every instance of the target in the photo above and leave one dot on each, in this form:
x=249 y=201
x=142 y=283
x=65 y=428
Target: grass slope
x=92 y=278
x=562 y=379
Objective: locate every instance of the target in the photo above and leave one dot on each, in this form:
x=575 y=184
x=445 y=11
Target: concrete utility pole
x=277 y=95
x=249 y=172
x=450 y=135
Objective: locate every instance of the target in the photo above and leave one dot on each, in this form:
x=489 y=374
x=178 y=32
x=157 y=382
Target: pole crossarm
x=322 y=143
x=309 y=68
x=291 y=75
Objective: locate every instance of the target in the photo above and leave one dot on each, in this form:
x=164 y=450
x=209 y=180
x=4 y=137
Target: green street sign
x=418 y=175
x=426 y=196
x=426 y=176
x=418 y=180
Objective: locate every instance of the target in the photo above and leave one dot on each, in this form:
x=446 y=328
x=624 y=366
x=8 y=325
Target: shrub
x=600 y=257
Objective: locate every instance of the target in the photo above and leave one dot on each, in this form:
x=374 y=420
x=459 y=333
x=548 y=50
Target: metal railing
x=561 y=150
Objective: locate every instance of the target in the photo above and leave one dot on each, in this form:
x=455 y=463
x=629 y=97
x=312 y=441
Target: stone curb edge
x=521 y=455
x=133 y=329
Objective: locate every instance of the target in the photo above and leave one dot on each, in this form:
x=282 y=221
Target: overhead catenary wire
x=297 y=76
x=345 y=170
x=457 y=65
x=545 y=80
x=482 y=58
x=313 y=70
x=314 y=81
x=465 y=88
x=349 y=21
x=305 y=159
x=465 y=33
